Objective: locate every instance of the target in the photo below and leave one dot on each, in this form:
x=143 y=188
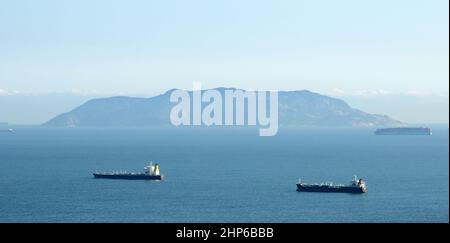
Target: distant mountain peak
x=296 y=108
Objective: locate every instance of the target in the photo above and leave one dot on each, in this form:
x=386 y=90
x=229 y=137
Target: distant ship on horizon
x=7 y=130
x=151 y=172
x=404 y=131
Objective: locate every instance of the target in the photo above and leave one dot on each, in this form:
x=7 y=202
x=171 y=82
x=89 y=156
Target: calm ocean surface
x=222 y=175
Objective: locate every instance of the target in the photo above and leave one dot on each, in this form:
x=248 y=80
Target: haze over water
x=221 y=175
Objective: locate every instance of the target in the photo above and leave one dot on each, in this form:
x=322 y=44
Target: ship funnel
x=156 y=169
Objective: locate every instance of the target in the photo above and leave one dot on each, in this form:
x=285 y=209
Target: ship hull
x=325 y=188
x=128 y=177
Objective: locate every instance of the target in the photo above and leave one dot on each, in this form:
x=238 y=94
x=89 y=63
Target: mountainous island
x=296 y=108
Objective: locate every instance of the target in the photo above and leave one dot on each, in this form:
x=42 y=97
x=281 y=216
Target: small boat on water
x=151 y=172
x=404 y=131
x=355 y=186
x=7 y=130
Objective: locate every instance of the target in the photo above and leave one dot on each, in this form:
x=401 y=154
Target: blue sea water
x=221 y=175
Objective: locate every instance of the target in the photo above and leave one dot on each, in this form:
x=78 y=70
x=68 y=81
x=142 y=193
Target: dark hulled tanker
x=404 y=131
x=355 y=186
x=150 y=173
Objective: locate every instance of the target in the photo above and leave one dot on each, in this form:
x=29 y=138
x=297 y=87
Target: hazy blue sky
x=345 y=48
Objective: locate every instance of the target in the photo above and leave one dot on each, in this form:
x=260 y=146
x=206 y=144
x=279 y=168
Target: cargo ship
x=151 y=172
x=404 y=131
x=355 y=186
